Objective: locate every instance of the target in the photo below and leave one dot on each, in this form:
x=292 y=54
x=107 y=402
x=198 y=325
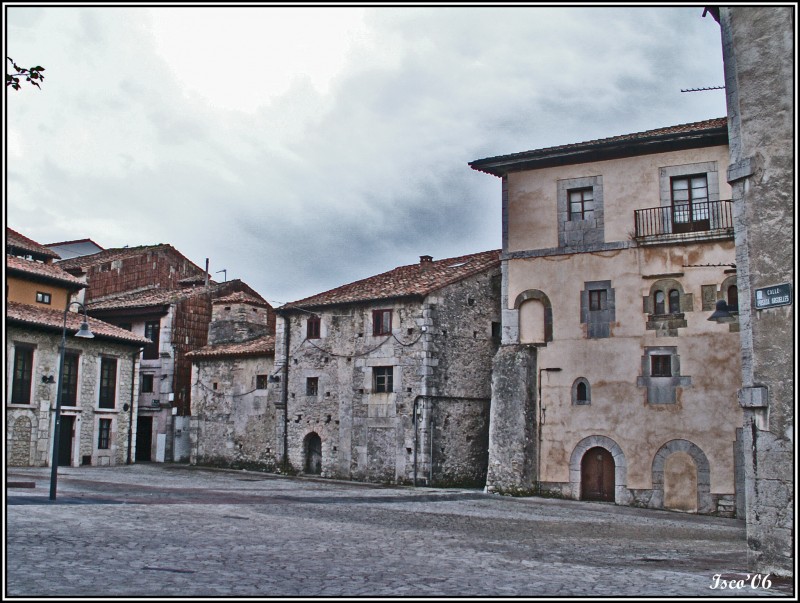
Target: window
x=598 y=300
x=69 y=380
x=42 y=297
x=690 y=203
x=23 y=368
x=674 y=301
x=312 y=327
x=382 y=379
x=261 y=381
x=104 y=434
x=733 y=298
x=660 y=365
x=147 y=384
x=151 y=331
x=382 y=322
x=581 y=204
x=581 y=392
x=126 y=325
x=108 y=383
x=312 y=386
x=659 y=303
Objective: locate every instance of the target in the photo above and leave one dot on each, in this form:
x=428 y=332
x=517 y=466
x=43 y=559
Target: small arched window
x=659 y=306
x=581 y=392
x=733 y=298
x=674 y=301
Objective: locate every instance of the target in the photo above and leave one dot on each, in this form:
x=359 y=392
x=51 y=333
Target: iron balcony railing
x=681 y=219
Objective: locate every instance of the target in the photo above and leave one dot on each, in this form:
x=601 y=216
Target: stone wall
x=28 y=427
x=758 y=51
x=233 y=422
x=440 y=352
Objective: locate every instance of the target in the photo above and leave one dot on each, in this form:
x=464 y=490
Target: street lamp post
x=84 y=333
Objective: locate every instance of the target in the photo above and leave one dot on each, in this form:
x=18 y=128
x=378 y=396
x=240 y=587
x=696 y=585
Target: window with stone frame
x=690 y=195
x=23 y=374
x=261 y=381
x=147 y=383
x=581 y=392
x=382 y=379
x=69 y=379
x=581 y=215
x=312 y=386
x=598 y=309
x=661 y=374
x=665 y=307
x=108 y=383
x=104 y=434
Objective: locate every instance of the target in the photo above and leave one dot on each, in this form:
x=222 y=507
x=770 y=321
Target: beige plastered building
x=611 y=382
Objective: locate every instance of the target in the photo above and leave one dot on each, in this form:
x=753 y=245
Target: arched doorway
x=597 y=475
x=313 y=453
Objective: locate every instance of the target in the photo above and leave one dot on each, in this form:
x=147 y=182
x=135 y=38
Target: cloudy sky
x=300 y=149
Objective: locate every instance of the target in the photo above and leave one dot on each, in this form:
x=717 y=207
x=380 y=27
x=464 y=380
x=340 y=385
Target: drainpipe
x=134 y=357
x=430 y=436
x=416 y=400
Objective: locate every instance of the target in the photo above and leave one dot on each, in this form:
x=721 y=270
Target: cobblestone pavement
x=175 y=530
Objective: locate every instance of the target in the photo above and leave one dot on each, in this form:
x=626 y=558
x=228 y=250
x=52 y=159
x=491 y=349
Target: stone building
x=234 y=420
x=156 y=292
x=387 y=379
x=758 y=51
x=611 y=383
x=98 y=375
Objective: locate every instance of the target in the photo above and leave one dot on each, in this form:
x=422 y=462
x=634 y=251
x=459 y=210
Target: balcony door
x=690 y=203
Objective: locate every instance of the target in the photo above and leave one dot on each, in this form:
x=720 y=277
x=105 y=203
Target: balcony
x=706 y=221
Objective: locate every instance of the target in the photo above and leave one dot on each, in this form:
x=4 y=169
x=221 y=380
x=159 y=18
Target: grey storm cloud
x=315 y=188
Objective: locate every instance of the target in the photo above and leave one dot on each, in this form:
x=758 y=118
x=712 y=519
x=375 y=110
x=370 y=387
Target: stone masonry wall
x=28 y=427
x=758 y=51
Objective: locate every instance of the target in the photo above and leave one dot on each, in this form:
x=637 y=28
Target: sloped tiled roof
x=42 y=272
x=577 y=151
x=21 y=242
x=118 y=253
x=240 y=297
x=144 y=298
x=53 y=320
x=415 y=280
x=261 y=346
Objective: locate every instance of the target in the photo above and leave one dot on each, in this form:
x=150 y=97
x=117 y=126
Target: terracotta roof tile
x=53 y=320
x=117 y=253
x=144 y=298
x=38 y=271
x=240 y=297
x=415 y=280
x=15 y=239
x=261 y=346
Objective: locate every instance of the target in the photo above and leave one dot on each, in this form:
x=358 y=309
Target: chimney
x=425 y=261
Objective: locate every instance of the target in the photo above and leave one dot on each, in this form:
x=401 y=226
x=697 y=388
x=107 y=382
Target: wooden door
x=597 y=475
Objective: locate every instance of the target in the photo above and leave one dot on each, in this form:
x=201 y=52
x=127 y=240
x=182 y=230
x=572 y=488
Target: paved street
x=175 y=530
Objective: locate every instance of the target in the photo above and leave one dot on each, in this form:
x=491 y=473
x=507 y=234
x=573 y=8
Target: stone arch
x=20 y=449
x=621 y=494
x=581 y=386
x=704 y=502
x=540 y=297
x=664 y=286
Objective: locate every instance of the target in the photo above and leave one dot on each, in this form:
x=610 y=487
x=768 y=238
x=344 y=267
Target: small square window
x=42 y=297
x=147 y=384
x=661 y=365
x=382 y=379
x=312 y=386
x=382 y=322
x=261 y=381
